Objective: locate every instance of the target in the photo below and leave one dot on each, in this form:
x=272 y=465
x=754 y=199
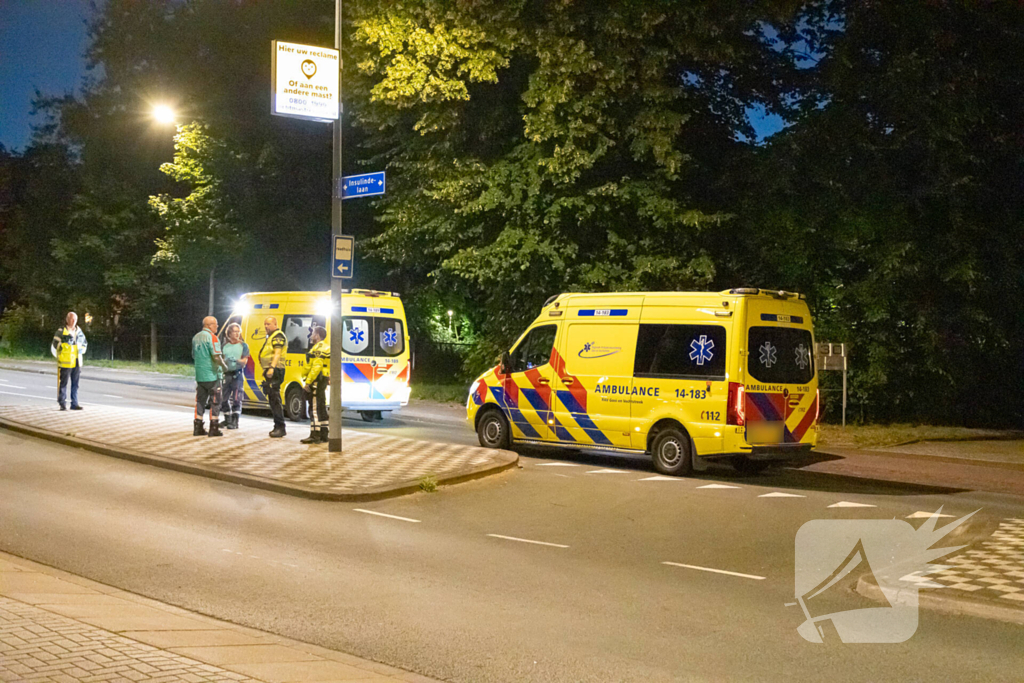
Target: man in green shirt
x=209 y=370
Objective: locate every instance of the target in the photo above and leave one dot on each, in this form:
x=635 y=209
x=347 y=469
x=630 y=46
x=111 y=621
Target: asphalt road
x=556 y=572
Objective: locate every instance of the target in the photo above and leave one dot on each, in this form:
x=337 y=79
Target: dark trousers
x=272 y=388
x=64 y=374
x=317 y=398
x=234 y=393
x=208 y=394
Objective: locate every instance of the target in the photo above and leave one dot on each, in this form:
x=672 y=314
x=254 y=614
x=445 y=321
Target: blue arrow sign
x=366 y=185
x=341 y=259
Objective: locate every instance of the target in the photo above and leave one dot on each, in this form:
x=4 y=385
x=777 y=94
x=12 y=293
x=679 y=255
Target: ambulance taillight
x=735 y=413
x=817 y=405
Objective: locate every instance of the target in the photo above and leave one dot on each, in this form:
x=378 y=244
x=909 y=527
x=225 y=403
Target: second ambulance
x=686 y=377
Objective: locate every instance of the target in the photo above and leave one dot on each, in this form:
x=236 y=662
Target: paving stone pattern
x=368 y=461
x=39 y=646
x=993 y=569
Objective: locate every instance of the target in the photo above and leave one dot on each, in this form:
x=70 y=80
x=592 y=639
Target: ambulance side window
x=535 y=349
x=296 y=329
x=680 y=351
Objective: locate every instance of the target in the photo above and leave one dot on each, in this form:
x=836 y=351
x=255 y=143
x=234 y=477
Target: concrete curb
x=252 y=481
x=843 y=452
x=983 y=609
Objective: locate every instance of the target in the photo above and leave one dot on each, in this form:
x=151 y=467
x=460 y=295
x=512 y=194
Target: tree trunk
x=152 y=343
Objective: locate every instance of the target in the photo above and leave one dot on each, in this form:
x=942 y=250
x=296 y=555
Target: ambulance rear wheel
x=671 y=452
x=371 y=415
x=294 y=404
x=492 y=430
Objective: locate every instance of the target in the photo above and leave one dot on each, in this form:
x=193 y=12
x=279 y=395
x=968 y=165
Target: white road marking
x=113 y=396
x=5 y=385
x=606 y=472
x=526 y=540
x=715 y=571
x=848 y=504
x=779 y=494
x=557 y=464
x=717 y=486
x=920 y=514
x=556 y=474
x=381 y=514
x=659 y=477
x=45 y=398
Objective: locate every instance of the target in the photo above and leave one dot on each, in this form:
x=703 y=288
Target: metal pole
x=336 y=333
x=152 y=343
x=844 y=390
x=212 y=270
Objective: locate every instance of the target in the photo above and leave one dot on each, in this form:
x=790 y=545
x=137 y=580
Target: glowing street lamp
x=163 y=114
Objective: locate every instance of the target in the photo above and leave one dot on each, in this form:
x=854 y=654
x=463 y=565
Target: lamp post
x=336 y=333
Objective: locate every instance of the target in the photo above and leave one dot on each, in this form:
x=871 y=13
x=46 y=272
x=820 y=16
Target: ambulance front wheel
x=371 y=415
x=671 y=452
x=492 y=430
x=294 y=403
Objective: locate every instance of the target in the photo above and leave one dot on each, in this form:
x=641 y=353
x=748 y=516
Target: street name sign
x=365 y=185
x=305 y=80
x=341 y=262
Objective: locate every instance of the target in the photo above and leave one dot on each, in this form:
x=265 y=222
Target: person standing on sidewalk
x=273 y=372
x=236 y=356
x=318 y=373
x=68 y=348
x=209 y=368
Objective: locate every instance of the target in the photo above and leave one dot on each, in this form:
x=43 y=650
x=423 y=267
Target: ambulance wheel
x=671 y=452
x=492 y=430
x=745 y=465
x=294 y=403
x=371 y=415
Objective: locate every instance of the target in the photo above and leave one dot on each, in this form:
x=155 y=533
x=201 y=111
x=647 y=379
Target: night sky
x=42 y=43
x=42 y=46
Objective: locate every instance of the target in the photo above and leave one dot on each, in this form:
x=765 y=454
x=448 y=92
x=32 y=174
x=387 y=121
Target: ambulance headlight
x=324 y=308
x=241 y=308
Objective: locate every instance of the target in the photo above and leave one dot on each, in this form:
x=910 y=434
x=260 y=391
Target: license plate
x=765 y=432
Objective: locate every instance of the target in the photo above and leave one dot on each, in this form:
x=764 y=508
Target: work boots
x=215 y=429
x=278 y=431
x=314 y=436
x=197 y=428
x=324 y=432
x=231 y=422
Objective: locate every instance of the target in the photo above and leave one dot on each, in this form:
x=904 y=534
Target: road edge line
x=947 y=605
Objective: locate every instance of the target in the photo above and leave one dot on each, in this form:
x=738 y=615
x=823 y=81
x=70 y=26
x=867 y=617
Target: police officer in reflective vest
x=273 y=372
x=318 y=373
x=68 y=347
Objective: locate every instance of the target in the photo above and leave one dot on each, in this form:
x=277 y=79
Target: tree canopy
x=540 y=146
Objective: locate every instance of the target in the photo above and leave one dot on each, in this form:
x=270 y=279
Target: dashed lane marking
x=606 y=472
x=11 y=393
x=848 y=504
x=113 y=396
x=730 y=573
x=381 y=514
x=779 y=494
x=718 y=486
x=659 y=477
x=5 y=385
x=526 y=540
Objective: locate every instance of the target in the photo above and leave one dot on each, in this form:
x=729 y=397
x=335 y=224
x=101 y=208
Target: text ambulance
x=684 y=376
x=374 y=350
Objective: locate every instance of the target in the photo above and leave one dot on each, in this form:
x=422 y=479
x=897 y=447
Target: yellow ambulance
x=686 y=377
x=374 y=350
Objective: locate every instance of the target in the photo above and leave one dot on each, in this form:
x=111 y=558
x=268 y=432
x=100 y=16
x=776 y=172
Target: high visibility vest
x=67 y=353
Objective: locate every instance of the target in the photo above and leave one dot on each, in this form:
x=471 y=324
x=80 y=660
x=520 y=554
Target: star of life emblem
x=769 y=354
x=389 y=337
x=802 y=356
x=702 y=350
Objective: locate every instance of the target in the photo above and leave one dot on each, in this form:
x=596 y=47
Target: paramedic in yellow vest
x=68 y=347
x=272 y=362
x=314 y=381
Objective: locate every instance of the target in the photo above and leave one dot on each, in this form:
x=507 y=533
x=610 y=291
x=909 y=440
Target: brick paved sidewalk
x=370 y=466
x=55 y=627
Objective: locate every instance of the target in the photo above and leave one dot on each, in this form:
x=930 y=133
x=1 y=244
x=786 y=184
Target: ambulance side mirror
x=506 y=363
